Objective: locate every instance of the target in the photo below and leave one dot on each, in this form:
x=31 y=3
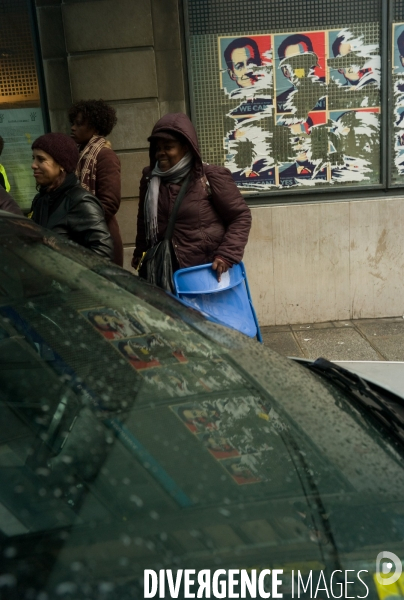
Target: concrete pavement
x=362 y=339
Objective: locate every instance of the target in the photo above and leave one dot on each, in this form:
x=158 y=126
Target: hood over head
x=176 y=126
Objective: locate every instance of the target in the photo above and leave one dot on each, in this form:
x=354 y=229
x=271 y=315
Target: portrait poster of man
x=246 y=76
x=304 y=169
x=245 y=65
x=151 y=351
x=398 y=76
x=356 y=141
x=207 y=422
x=398 y=48
x=242 y=470
x=113 y=324
x=290 y=99
x=353 y=64
x=199 y=417
x=300 y=72
x=139 y=355
x=249 y=155
x=218 y=446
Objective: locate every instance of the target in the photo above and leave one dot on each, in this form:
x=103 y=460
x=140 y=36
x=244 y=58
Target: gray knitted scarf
x=173 y=175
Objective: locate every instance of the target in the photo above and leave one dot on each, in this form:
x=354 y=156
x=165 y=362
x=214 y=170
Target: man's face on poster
x=107 y=322
x=239 y=470
x=344 y=48
x=301 y=145
x=354 y=73
x=297 y=65
x=130 y=352
x=219 y=444
x=243 y=63
x=400 y=46
x=192 y=414
x=351 y=74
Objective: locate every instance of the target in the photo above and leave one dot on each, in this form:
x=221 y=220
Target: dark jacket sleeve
x=141 y=242
x=233 y=210
x=8 y=203
x=87 y=224
x=108 y=181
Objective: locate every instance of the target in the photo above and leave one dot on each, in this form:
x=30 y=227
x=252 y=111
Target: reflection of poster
x=242 y=470
x=140 y=352
x=398 y=79
x=219 y=446
x=303 y=108
x=19 y=128
x=227 y=429
x=113 y=324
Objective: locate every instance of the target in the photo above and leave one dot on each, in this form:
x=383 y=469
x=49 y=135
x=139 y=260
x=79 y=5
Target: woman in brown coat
x=99 y=169
x=213 y=221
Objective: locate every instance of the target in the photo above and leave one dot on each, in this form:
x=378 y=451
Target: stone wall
x=328 y=261
x=127 y=52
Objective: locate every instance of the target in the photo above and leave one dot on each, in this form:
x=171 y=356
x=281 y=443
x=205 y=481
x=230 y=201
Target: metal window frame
x=43 y=97
x=323 y=194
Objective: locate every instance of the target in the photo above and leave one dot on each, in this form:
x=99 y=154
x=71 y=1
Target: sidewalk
x=362 y=339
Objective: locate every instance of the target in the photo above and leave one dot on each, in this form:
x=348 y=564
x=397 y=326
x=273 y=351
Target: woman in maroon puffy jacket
x=213 y=221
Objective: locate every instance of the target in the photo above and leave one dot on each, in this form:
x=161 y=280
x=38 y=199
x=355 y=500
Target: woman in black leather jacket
x=62 y=205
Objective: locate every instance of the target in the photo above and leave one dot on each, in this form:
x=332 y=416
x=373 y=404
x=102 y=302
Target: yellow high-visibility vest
x=3 y=172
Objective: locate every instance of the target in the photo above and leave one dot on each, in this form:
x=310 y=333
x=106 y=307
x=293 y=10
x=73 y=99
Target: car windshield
x=134 y=435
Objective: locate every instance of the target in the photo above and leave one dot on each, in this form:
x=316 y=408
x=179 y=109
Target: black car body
x=136 y=436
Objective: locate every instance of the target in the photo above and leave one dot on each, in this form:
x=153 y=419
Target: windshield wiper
x=385 y=406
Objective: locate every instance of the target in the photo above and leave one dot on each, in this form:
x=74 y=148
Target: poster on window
x=398 y=83
x=303 y=108
x=247 y=78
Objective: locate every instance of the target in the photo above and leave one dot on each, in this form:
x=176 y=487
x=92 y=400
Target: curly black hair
x=1 y=144
x=96 y=113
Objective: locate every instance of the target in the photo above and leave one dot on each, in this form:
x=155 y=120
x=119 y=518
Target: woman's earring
x=62 y=170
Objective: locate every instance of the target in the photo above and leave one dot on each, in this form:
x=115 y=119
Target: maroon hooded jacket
x=213 y=219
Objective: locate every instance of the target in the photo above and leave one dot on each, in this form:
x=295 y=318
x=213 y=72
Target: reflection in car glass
x=131 y=439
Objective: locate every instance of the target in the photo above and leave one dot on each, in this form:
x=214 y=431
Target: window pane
x=20 y=106
x=288 y=99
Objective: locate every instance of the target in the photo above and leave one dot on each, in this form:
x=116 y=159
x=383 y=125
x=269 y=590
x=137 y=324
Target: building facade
x=301 y=100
